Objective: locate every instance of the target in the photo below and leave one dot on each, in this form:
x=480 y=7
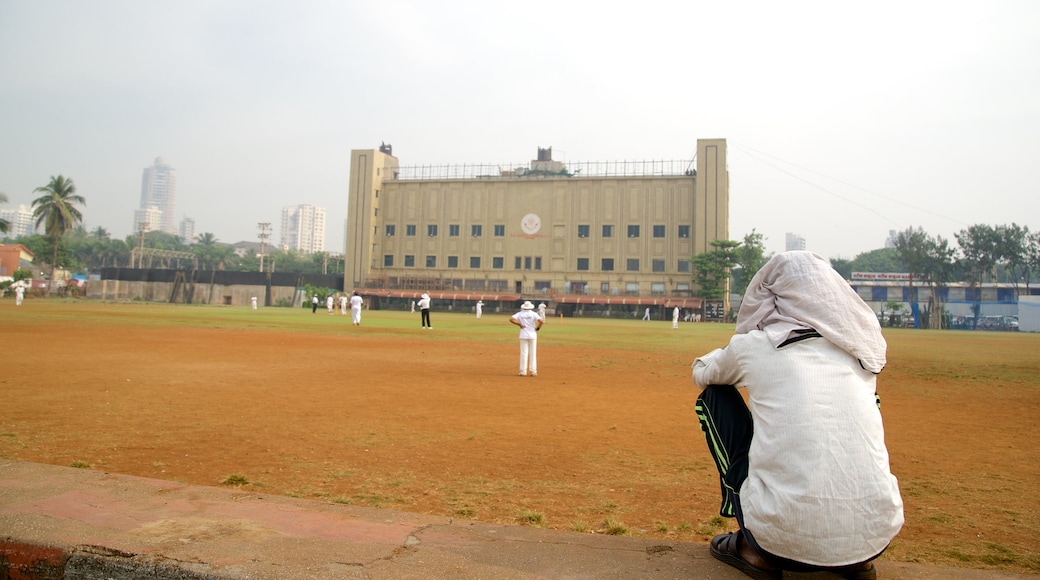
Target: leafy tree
x=56 y=211
x=210 y=254
x=880 y=260
x=711 y=269
x=1032 y=256
x=1012 y=242
x=979 y=256
x=929 y=260
x=843 y=267
x=5 y=226
x=749 y=257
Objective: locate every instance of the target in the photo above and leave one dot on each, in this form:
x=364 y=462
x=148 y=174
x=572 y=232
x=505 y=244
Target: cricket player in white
x=529 y=322
x=355 y=308
x=675 y=318
x=342 y=304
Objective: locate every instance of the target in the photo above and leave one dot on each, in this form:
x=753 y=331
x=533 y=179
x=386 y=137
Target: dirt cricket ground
x=283 y=401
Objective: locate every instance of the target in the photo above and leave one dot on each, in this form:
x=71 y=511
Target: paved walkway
x=60 y=522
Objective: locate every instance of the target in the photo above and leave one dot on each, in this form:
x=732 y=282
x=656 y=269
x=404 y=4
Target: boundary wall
x=207 y=287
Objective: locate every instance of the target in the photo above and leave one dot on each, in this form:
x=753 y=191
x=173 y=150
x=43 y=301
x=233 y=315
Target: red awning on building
x=443 y=295
x=667 y=302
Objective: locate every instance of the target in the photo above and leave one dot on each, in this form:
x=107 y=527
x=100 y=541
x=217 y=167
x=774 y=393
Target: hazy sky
x=844 y=120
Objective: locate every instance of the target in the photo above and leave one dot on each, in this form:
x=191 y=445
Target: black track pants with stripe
x=728 y=428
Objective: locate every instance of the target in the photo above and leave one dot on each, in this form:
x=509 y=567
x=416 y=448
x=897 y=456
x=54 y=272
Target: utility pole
x=264 y=228
x=142 y=227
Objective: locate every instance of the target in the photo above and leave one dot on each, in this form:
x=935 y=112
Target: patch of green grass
x=580 y=526
x=661 y=527
x=340 y=499
x=80 y=464
x=684 y=527
x=465 y=512
x=614 y=527
x=1000 y=555
x=941 y=518
x=713 y=526
x=235 y=480
x=531 y=518
x=376 y=500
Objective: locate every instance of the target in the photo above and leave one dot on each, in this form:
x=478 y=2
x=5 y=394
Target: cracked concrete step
x=59 y=522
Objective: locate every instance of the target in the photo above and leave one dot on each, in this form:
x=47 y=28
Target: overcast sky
x=844 y=120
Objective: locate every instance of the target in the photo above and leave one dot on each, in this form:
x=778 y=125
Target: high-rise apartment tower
x=159 y=191
x=303 y=228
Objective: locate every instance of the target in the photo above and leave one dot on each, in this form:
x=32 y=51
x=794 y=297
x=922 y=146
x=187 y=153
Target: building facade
x=21 y=221
x=793 y=242
x=187 y=230
x=303 y=228
x=603 y=234
x=159 y=191
x=148 y=219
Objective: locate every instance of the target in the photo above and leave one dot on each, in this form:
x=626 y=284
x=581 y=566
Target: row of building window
x=477 y=230
x=534 y=263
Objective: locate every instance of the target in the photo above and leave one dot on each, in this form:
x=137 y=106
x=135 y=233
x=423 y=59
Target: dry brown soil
x=393 y=417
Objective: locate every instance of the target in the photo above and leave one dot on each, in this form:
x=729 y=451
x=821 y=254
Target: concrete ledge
x=60 y=522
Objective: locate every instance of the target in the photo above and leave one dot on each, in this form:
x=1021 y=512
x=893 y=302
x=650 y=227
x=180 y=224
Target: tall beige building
x=602 y=234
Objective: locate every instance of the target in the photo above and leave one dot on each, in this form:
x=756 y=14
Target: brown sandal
x=726 y=549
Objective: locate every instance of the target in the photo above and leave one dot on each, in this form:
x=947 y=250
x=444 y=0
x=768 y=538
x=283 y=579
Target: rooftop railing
x=581 y=169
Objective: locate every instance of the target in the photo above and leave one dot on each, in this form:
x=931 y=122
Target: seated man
x=803 y=465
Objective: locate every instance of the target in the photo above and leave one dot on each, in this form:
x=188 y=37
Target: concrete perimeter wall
x=226 y=288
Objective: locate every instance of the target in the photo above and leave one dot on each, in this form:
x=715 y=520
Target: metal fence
x=580 y=169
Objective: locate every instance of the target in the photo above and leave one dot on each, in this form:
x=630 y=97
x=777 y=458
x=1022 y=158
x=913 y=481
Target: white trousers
x=355 y=312
x=528 y=355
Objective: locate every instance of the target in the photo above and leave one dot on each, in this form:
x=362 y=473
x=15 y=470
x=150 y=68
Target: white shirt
x=819 y=489
x=528 y=319
x=424 y=303
x=355 y=301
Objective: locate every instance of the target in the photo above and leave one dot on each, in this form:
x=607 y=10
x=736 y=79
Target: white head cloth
x=800 y=290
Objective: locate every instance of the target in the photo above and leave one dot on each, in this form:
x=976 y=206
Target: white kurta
x=819 y=489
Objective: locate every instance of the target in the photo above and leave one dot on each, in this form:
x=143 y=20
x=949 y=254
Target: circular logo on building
x=530 y=224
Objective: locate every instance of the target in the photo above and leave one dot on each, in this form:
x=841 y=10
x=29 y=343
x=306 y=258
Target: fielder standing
x=529 y=323
x=355 y=308
x=424 y=307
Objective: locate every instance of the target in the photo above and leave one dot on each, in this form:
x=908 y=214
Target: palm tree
x=5 y=226
x=56 y=210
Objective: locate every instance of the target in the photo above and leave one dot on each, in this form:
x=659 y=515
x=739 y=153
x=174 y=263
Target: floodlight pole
x=264 y=227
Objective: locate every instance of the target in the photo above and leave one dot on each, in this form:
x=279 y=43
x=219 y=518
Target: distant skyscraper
x=303 y=228
x=159 y=191
x=794 y=242
x=188 y=230
x=21 y=221
x=890 y=242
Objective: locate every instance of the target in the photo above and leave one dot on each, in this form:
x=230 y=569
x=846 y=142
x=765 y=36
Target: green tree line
x=66 y=244
x=983 y=254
